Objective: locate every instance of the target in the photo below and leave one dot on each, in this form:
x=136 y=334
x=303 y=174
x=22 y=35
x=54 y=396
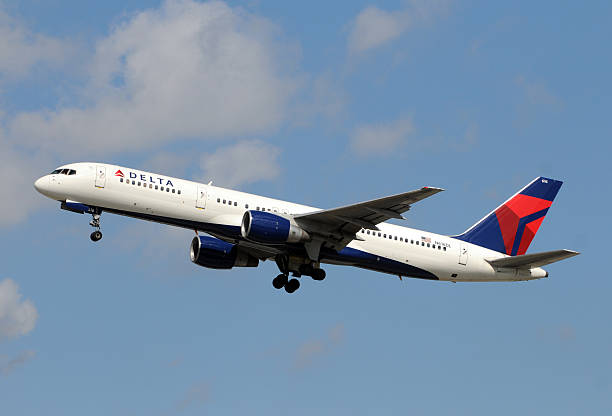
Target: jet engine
x=268 y=228
x=217 y=254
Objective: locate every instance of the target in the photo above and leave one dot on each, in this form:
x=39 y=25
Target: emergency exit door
x=463 y=254
x=100 y=176
x=201 y=198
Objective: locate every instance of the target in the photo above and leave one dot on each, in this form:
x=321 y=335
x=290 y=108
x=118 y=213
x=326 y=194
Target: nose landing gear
x=95 y=222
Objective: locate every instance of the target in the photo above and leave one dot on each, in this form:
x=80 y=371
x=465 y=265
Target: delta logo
x=146 y=178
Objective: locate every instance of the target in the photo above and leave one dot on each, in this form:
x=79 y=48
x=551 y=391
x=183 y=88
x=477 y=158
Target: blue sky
x=324 y=103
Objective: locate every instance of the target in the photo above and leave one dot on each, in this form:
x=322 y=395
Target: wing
x=529 y=261
x=338 y=226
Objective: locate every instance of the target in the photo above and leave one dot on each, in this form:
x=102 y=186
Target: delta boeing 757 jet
x=244 y=228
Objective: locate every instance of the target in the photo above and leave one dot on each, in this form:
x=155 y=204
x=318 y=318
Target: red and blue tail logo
x=511 y=227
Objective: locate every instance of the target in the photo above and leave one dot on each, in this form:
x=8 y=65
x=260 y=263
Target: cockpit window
x=64 y=172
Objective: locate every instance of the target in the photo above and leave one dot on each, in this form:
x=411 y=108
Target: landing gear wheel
x=279 y=281
x=292 y=285
x=96 y=235
x=318 y=274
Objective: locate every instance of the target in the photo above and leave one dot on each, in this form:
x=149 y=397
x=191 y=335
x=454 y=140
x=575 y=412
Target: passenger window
x=162 y=189
x=150 y=186
x=179 y=191
x=138 y=183
x=411 y=241
x=379 y=234
x=402 y=239
x=133 y=182
x=156 y=187
x=173 y=190
x=224 y=201
x=235 y=204
x=444 y=248
x=257 y=208
x=395 y=238
x=246 y=206
x=167 y=189
x=218 y=200
x=121 y=180
x=368 y=232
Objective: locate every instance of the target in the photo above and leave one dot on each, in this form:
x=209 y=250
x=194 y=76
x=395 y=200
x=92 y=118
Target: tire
x=318 y=274
x=292 y=285
x=279 y=281
x=96 y=236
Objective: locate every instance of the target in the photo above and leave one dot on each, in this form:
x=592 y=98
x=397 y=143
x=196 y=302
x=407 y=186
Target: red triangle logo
x=119 y=173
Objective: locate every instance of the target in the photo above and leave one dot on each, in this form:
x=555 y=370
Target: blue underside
x=347 y=255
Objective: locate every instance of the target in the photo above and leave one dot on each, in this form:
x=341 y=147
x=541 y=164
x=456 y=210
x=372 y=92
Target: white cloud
x=185 y=70
x=309 y=351
x=20 y=198
x=374 y=27
x=21 y=49
x=8 y=365
x=372 y=139
x=197 y=395
x=243 y=163
x=538 y=94
x=17 y=317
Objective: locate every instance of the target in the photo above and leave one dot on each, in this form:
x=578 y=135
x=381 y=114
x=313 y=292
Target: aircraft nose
x=42 y=184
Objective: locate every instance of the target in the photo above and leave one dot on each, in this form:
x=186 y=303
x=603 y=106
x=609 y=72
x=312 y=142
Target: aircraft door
x=201 y=198
x=463 y=254
x=100 y=176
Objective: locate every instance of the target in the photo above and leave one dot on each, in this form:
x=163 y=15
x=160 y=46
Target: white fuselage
x=213 y=209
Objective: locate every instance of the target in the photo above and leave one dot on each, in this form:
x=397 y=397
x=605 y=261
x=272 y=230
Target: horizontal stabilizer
x=529 y=261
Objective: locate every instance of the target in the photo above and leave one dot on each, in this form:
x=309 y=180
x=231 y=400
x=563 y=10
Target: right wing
x=529 y=261
x=338 y=226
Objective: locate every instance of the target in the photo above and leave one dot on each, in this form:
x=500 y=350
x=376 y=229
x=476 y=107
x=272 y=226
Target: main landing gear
x=95 y=222
x=282 y=280
x=291 y=285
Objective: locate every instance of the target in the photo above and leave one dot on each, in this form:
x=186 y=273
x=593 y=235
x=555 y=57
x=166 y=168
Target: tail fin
x=511 y=227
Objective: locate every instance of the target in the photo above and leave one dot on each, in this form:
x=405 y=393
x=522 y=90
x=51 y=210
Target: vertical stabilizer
x=511 y=227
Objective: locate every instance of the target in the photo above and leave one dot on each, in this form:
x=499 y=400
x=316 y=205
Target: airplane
x=243 y=229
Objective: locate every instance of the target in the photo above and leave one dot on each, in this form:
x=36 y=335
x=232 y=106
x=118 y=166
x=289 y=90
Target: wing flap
x=371 y=212
x=529 y=261
x=339 y=226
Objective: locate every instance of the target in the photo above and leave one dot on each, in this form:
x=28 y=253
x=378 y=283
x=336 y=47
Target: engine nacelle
x=268 y=228
x=217 y=254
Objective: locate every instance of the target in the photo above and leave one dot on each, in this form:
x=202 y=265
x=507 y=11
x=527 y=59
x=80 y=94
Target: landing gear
x=96 y=235
x=95 y=222
x=280 y=281
x=292 y=285
x=297 y=266
x=315 y=273
x=318 y=274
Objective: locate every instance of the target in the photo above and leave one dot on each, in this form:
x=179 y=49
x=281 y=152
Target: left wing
x=340 y=225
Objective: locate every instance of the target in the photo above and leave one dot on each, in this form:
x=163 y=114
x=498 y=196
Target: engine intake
x=268 y=228
x=217 y=254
